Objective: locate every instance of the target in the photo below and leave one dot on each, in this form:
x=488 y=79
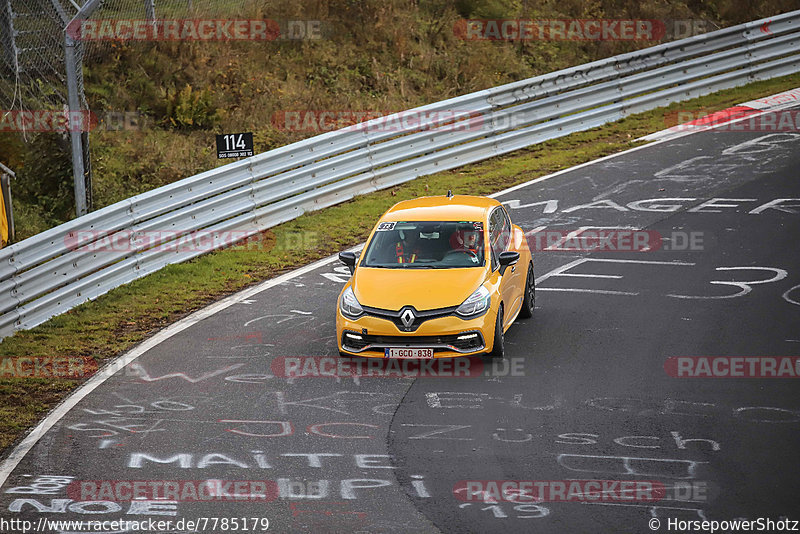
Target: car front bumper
x=441 y=334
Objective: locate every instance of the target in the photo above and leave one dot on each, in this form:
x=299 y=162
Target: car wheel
x=529 y=300
x=498 y=350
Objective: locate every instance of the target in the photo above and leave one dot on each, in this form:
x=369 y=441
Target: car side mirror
x=505 y=259
x=349 y=259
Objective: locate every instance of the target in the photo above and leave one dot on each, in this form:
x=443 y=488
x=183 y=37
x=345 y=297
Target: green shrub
x=191 y=109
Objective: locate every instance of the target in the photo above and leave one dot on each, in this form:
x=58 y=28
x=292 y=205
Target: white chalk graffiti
x=779 y=274
x=655 y=205
x=630 y=465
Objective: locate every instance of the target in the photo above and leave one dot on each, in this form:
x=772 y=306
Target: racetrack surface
x=583 y=392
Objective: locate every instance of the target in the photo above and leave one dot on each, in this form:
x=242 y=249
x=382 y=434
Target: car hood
x=424 y=289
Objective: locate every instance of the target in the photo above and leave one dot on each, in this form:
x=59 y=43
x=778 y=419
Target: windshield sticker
x=385 y=226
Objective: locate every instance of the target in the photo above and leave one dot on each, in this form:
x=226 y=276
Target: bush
x=190 y=109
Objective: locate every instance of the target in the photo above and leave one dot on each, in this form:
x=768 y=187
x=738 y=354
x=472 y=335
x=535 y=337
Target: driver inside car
x=465 y=240
x=407 y=250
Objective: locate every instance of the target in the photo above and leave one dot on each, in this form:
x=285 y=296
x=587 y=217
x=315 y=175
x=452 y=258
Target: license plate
x=415 y=353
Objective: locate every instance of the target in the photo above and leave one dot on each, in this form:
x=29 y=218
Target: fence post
x=74 y=92
x=78 y=169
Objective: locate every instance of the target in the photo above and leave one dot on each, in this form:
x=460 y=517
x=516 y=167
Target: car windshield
x=426 y=245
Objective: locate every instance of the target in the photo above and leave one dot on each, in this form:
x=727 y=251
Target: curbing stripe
x=734 y=114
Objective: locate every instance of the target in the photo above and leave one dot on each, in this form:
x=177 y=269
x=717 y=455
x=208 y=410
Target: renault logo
x=407 y=317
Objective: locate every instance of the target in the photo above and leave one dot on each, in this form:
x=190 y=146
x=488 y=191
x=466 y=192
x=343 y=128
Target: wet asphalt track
x=583 y=393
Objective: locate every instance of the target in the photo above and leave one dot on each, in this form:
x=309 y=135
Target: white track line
x=10 y=463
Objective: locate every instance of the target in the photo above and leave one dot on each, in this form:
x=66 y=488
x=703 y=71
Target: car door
x=499 y=241
x=517 y=273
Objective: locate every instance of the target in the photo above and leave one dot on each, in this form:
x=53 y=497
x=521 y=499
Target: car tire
x=344 y=355
x=529 y=299
x=498 y=348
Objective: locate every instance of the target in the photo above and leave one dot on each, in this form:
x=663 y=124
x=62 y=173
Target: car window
x=426 y=244
x=494 y=232
x=499 y=233
x=505 y=233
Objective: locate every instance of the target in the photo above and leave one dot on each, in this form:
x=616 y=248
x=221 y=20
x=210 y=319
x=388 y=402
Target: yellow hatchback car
x=439 y=277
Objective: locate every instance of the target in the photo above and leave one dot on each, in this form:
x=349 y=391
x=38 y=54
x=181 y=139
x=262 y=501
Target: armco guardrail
x=44 y=276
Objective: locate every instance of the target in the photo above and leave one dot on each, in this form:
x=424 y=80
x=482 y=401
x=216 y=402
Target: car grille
x=438 y=343
x=420 y=316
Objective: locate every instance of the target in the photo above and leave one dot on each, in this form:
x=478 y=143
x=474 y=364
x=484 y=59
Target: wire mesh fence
x=32 y=34
x=42 y=60
x=32 y=74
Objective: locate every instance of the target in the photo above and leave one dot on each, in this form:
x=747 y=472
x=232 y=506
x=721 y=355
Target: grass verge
x=115 y=322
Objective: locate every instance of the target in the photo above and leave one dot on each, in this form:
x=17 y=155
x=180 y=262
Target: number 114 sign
x=238 y=145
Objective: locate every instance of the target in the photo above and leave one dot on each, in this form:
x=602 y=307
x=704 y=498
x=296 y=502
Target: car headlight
x=349 y=305
x=476 y=304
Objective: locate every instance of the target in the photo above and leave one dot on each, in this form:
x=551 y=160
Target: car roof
x=442 y=208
